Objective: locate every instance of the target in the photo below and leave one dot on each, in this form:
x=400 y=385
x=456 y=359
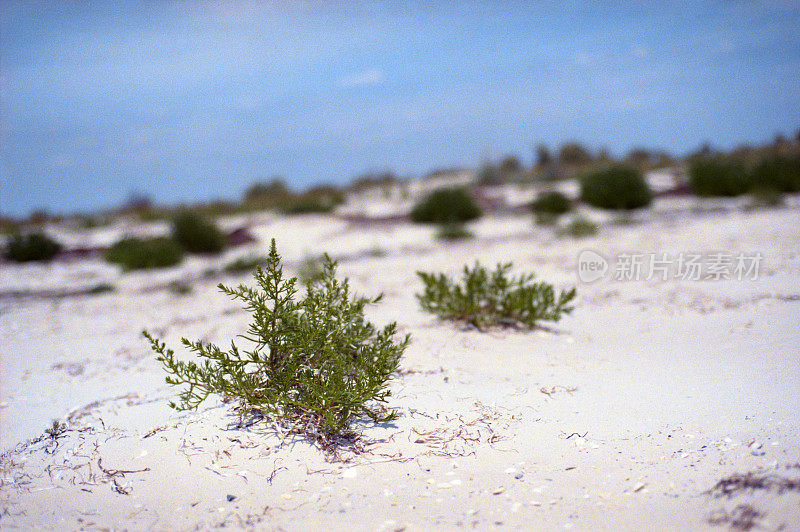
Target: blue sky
x=194 y=101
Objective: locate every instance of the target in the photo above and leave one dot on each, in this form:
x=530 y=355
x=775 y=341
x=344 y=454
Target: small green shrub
x=313 y=365
x=717 y=176
x=493 y=298
x=547 y=207
x=31 y=247
x=781 y=174
x=245 y=264
x=101 y=288
x=616 y=188
x=322 y=199
x=764 y=196
x=454 y=231
x=179 y=288
x=312 y=268
x=143 y=253
x=446 y=205
x=196 y=234
x=551 y=203
x=580 y=227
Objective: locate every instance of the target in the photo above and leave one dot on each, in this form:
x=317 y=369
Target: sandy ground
x=621 y=416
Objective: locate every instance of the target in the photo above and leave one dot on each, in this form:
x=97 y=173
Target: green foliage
x=548 y=206
x=196 y=234
x=718 y=176
x=268 y=194
x=573 y=153
x=453 y=231
x=446 y=205
x=778 y=173
x=580 y=227
x=101 y=288
x=488 y=298
x=31 y=247
x=179 y=288
x=245 y=264
x=489 y=174
x=617 y=187
x=321 y=199
x=762 y=196
x=143 y=253
x=312 y=268
x=314 y=363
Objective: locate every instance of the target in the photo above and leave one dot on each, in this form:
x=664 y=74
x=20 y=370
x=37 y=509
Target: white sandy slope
x=620 y=416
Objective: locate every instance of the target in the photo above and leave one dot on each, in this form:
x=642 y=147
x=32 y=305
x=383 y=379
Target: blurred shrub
x=489 y=174
x=179 y=288
x=573 y=153
x=321 y=199
x=616 y=188
x=765 y=196
x=245 y=264
x=312 y=268
x=196 y=234
x=446 y=206
x=580 y=227
x=453 y=231
x=717 y=176
x=31 y=247
x=269 y=194
x=778 y=173
x=141 y=253
x=547 y=207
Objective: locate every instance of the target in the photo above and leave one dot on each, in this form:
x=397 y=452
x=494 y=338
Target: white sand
x=619 y=417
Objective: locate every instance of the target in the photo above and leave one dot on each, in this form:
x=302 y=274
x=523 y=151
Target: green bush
x=31 y=247
x=485 y=299
x=245 y=264
x=777 y=173
x=143 y=253
x=321 y=199
x=765 y=196
x=196 y=234
x=616 y=188
x=451 y=232
x=717 y=176
x=446 y=206
x=580 y=227
x=548 y=206
x=313 y=363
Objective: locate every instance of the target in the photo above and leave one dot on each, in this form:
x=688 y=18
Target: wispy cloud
x=362 y=79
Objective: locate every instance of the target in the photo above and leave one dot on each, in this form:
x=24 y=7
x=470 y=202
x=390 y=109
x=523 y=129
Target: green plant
x=446 y=205
x=580 y=227
x=617 y=187
x=196 y=234
x=321 y=199
x=179 y=288
x=142 y=253
x=548 y=206
x=764 y=196
x=493 y=298
x=313 y=363
x=454 y=231
x=312 y=268
x=781 y=174
x=718 y=176
x=100 y=288
x=31 y=247
x=245 y=264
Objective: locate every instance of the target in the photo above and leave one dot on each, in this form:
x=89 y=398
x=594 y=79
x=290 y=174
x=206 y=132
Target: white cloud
x=362 y=79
